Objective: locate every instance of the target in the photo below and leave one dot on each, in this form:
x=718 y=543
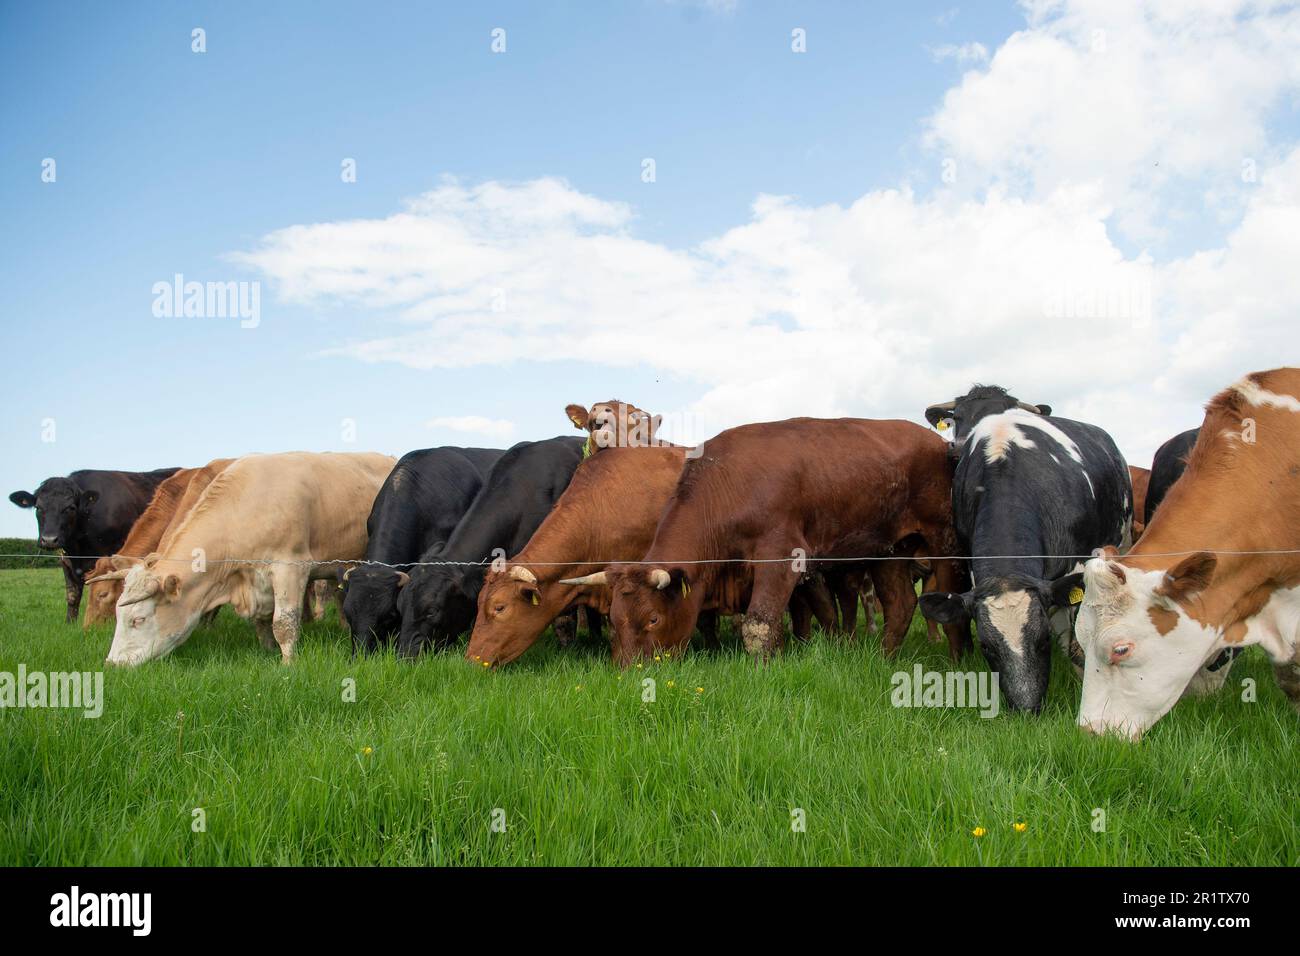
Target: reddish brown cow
x=615 y=424
x=1140 y=478
x=172 y=500
x=832 y=488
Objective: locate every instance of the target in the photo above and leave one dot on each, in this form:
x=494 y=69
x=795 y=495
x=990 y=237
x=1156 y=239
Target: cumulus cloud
x=882 y=306
x=961 y=52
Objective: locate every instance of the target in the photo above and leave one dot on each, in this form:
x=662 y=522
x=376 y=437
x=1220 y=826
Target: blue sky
x=172 y=162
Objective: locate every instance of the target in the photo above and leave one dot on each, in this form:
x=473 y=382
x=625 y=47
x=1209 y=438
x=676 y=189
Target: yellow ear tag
x=536 y=599
x=1076 y=595
x=686 y=588
x=340 y=587
x=942 y=425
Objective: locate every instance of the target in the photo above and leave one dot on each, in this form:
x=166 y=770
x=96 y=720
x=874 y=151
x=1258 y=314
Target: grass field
x=584 y=772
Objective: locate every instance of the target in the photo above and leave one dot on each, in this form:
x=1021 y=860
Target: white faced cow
x=283 y=512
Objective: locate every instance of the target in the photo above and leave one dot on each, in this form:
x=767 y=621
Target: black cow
x=1028 y=485
x=439 y=603
x=1167 y=467
x=87 y=515
x=418 y=507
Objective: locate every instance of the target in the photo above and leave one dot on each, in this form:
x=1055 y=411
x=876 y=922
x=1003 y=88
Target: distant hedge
x=25 y=546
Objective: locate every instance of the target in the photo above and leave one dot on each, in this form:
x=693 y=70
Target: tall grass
x=563 y=750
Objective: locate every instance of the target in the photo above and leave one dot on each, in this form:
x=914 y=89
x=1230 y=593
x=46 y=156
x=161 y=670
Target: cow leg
x=289 y=584
x=595 y=626
x=708 y=628
x=800 y=615
x=765 y=616
x=893 y=580
x=74 y=582
x=1288 y=678
x=264 y=633
x=566 y=628
x=867 y=592
x=845 y=589
x=951 y=576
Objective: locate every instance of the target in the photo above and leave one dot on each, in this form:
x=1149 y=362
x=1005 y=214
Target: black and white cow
x=88 y=514
x=419 y=506
x=1028 y=485
x=1167 y=467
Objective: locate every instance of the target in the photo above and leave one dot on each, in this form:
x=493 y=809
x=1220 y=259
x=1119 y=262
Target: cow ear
x=23 y=499
x=171 y=586
x=945 y=607
x=1067 y=590
x=88 y=498
x=578 y=415
x=1043 y=409
x=937 y=413
x=531 y=593
x=1188 y=576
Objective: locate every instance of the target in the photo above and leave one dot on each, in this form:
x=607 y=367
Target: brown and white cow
x=615 y=424
x=1154 y=617
x=258 y=535
x=170 y=503
x=758 y=496
x=1139 y=478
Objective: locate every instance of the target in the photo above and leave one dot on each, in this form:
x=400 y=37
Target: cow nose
x=48 y=542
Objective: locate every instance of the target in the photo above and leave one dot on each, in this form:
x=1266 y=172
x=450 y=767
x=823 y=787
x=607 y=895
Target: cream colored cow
x=282 y=511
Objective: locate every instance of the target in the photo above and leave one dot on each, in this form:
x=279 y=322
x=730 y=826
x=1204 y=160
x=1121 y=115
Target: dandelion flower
x=367 y=750
x=978 y=832
x=1020 y=827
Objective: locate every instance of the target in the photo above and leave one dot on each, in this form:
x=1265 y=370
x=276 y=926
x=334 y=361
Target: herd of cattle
x=1030 y=525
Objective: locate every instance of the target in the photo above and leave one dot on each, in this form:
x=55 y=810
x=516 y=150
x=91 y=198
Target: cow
x=761 y=503
x=438 y=602
x=87 y=515
x=614 y=424
x=264 y=528
x=171 y=502
x=1152 y=618
x=1139 y=479
x=1166 y=468
x=1031 y=494
x=419 y=506
x=961 y=415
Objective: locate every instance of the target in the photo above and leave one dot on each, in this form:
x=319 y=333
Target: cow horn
x=590 y=579
x=1029 y=408
x=403 y=579
x=943 y=406
x=660 y=578
x=348 y=572
x=520 y=573
x=152 y=588
x=106 y=576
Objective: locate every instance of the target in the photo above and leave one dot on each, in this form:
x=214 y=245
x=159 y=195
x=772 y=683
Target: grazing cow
x=263 y=530
x=1139 y=479
x=418 y=507
x=438 y=603
x=1166 y=468
x=170 y=503
x=963 y=414
x=757 y=498
x=1031 y=493
x=614 y=424
x=88 y=514
x=607 y=513
x=1152 y=618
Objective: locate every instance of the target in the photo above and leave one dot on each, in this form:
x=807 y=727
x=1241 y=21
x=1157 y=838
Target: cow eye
x=654 y=620
x=137 y=622
x=498 y=608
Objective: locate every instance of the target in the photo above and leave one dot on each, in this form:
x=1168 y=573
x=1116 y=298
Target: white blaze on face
x=1009 y=614
x=1133 y=674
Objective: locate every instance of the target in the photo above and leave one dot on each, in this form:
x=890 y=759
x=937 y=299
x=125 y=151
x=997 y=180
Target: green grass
x=588 y=774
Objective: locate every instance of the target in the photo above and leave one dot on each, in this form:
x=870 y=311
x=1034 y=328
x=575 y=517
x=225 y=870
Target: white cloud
x=498 y=428
x=961 y=52
x=880 y=307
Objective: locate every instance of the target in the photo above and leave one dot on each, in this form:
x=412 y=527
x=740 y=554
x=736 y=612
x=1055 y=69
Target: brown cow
x=828 y=488
x=1139 y=478
x=615 y=424
x=1153 y=618
x=171 y=501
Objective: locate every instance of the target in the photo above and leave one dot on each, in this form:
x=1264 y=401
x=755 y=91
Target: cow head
x=514 y=608
x=651 y=608
x=614 y=424
x=1013 y=621
x=104 y=587
x=154 y=616
x=60 y=506
x=1142 y=648
x=369 y=603
x=962 y=414
x=434 y=607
